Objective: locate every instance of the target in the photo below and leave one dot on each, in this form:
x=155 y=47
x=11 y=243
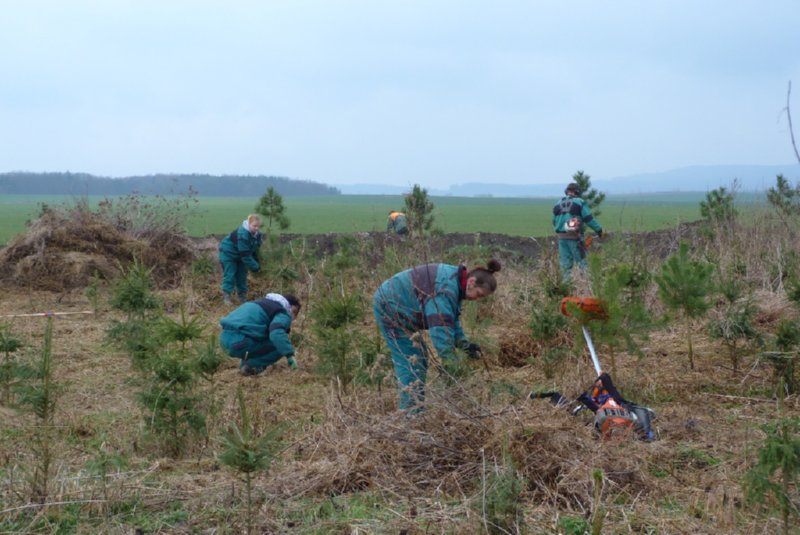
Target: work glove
x=601 y=233
x=292 y=362
x=473 y=350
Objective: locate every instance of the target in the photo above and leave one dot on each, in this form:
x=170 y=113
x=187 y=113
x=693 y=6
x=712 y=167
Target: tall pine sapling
x=41 y=397
x=183 y=331
x=105 y=461
x=208 y=359
x=718 y=210
x=501 y=508
x=684 y=285
x=419 y=211
x=133 y=294
x=549 y=328
x=271 y=206
x=718 y=207
x=734 y=322
x=592 y=196
x=247 y=452
x=626 y=321
x=776 y=475
x=785 y=198
x=172 y=409
x=734 y=326
x=787 y=341
x=334 y=324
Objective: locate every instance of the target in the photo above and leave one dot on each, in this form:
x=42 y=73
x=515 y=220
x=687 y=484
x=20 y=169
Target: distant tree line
x=18 y=182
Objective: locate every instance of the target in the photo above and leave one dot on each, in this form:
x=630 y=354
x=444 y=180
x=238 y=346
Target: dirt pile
x=64 y=250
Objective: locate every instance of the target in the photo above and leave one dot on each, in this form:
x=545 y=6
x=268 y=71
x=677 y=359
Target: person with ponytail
x=427 y=297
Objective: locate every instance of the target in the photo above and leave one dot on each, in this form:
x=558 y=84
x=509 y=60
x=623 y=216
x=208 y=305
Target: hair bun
x=493 y=266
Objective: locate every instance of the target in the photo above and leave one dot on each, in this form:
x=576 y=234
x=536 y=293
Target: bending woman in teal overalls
x=427 y=297
x=258 y=332
x=238 y=252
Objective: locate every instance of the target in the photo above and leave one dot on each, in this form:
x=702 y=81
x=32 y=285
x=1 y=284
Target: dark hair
x=484 y=276
x=293 y=301
x=574 y=188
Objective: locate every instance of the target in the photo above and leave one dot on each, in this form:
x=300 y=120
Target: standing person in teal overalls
x=570 y=214
x=427 y=297
x=238 y=252
x=257 y=332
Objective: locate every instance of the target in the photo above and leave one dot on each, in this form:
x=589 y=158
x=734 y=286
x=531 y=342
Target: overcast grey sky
x=396 y=92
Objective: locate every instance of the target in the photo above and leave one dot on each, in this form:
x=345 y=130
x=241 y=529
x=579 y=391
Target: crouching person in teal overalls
x=257 y=332
x=427 y=297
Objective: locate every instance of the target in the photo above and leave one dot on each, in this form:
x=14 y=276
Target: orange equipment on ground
x=615 y=417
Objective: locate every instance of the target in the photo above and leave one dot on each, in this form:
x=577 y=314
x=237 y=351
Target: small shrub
x=182 y=331
x=573 y=525
x=133 y=293
x=684 y=285
x=170 y=405
x=734 y=326
x=776 y=476
x=92 y=292
x=208 y=359
x=203 y=266
x=41 y=397
x=341 y=347
x=501 y=508
x=10 y=370
x=247 y=452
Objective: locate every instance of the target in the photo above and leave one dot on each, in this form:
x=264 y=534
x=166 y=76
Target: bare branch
x=789 y=116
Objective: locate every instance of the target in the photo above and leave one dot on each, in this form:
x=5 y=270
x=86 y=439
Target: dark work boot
x=249 y=371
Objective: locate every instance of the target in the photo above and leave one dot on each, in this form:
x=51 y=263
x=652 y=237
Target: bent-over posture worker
x=427 y=297
x=570 y=214
x=257 y=332
x=238 y=252
x=397 y=223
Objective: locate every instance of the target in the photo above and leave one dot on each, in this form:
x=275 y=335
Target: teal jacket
x=426 y=297
x=241 y=245
x=263 y=321
x=573 y=207
x=397 y=223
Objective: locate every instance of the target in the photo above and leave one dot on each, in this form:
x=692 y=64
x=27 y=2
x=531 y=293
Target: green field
x=359 y=213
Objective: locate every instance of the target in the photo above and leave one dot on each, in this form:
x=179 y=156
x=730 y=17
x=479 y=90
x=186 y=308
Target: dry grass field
x=483 y=457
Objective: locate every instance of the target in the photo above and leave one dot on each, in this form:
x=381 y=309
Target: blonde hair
x=253 y=217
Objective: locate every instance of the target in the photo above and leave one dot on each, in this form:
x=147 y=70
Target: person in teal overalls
x=397 y=223
x=570 y=214
x=427 y=297
x=238 y=252
x=257 y=332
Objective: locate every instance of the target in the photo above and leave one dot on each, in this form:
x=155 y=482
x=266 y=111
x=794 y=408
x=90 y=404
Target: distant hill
x=164 y=184
x=684 y=179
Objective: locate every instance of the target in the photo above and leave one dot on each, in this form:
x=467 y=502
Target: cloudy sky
x=396 y=91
